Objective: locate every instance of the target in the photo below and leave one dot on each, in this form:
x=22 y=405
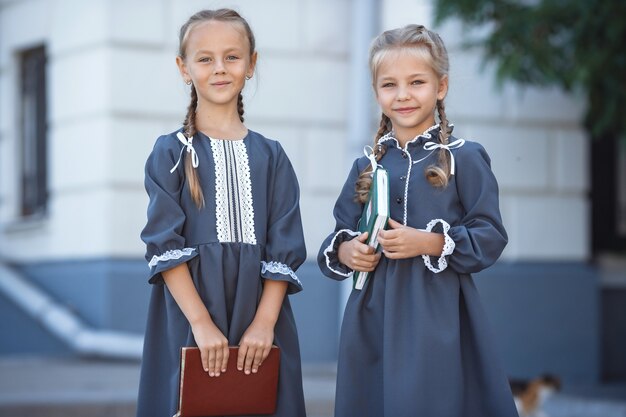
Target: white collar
x=425 y=135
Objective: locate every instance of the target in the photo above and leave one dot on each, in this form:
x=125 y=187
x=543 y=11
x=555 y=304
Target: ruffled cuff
x=278 y=271
x=331 y=255
x=448 y=246
x=168 y=260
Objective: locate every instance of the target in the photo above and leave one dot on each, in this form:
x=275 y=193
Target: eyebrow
x=226 y=51
x=416 y=75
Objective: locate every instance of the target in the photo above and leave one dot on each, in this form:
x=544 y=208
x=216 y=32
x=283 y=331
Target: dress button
x=398 y=200
x=402 y=178
x=404 y=155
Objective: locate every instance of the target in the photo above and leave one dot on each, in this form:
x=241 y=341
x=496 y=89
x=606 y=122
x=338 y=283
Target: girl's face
x=407 y=90
x=217 y=61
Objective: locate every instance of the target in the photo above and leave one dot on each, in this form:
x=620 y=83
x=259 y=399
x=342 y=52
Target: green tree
x=578 y=45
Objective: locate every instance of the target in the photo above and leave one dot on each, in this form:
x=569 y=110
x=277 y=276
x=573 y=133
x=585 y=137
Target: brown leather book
x=231 y=393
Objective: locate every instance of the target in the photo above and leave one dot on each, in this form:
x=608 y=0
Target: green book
x=374 y=217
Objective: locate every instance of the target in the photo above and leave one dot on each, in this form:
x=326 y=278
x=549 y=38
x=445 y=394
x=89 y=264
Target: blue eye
x=387 y=85
x=232 y=58
x=205 y=59
x=417 y=82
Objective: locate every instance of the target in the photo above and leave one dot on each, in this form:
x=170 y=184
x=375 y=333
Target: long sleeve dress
x=248 y=231
x=415 y=340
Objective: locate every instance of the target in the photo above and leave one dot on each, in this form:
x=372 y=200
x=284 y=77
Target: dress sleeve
x=479 y=240
x=165 y=246
x=347 y=213
x=285 y=250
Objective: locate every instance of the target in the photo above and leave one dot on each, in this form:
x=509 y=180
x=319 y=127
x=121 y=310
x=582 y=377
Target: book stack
x=374 y=217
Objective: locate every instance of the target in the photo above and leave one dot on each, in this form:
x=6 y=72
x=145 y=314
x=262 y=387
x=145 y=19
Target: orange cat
x=530 y=395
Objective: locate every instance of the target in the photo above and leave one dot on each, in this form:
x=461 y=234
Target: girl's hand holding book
x=401 y=242
x=255 y=345
x=357 y=255
x=213 y=346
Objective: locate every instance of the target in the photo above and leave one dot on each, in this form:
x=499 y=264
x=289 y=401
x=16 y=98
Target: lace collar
x=428 y=134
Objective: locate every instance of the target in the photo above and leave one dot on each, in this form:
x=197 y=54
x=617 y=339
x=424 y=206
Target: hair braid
x=189 y=124
x=189 y=127
x=364 y=182
x=438 y=175
x=240 y=106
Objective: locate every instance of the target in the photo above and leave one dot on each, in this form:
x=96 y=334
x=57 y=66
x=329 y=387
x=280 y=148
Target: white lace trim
x=245 y=192
x=426 y=135
x=234 y=209
x=448 y=246
x=406 y=186
x=279 y=268
x=221 y=193
x=329 y=249
x=169 y=255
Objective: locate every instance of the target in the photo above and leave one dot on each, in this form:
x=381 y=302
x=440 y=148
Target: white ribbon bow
x=432 y=146
x=189 y=147
x=369 y=154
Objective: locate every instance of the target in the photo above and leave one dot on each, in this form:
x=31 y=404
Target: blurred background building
x=87 y=86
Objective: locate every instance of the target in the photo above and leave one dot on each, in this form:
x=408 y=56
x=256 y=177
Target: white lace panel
x=169 y=255
x=448 y=246
x=234 y=209
x=279 y=268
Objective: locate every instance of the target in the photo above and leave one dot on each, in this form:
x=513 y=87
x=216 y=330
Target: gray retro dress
x=248 y=231
x=415 y=341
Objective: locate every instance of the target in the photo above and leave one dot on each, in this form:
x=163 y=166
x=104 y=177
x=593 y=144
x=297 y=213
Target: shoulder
x=470 y=152
x=167 y=144
x=271 y=147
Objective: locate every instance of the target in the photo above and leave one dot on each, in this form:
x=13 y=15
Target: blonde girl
x=414 y=340
x=224 y=235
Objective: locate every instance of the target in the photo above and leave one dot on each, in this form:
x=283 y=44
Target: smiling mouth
x=404 y=110
x=220 y=83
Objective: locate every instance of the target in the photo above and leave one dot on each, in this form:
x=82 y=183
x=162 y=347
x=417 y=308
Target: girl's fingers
x=394 y=255
x=258 y=358
x=241 y=358
x=211 y=362
x=266 y=353
x=225 y=355
x=394 y=224
x=247 y=367
x=368 y=264
x=204 y=357
x=218 y=360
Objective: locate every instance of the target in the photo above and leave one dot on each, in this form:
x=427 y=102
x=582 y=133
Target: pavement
x=70 y=387
x=58 y=387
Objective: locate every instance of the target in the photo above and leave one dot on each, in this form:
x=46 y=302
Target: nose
x=403 y=94
x=219 y=67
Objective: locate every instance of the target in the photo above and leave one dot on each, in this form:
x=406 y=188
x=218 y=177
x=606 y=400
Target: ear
x=442 y=91
x=252 y=65
x=182 y=68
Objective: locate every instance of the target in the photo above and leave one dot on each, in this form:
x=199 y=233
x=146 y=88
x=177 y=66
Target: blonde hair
x=189 y=124
x=429 y=46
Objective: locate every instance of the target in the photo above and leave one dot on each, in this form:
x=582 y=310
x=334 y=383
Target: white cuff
x=279 y=268
x=331 y=248
x=169 y=255
x=448 y=246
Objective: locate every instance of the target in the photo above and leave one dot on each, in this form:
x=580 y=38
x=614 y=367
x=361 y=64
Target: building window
x=608 y=195
x=33 y=130
x=621 y=188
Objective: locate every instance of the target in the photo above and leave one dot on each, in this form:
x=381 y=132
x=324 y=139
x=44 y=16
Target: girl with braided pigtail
x=224 y=236
x=415 y=341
